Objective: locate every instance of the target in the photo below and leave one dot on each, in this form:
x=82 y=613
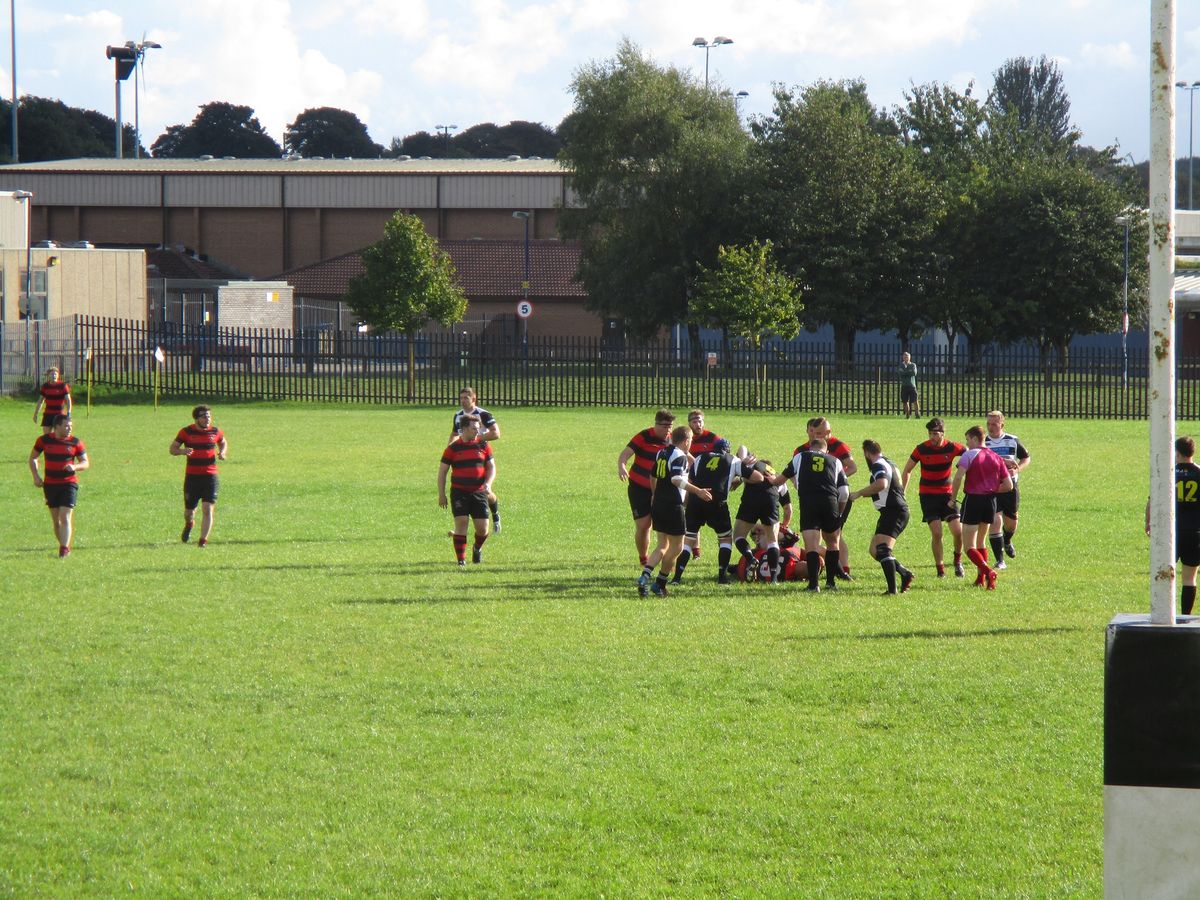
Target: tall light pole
x=140 y=51
x=525 y=214
x=124 y=59
x=12 y=25
x=444 y=131
x=718 y=41
x=1125 y=220
x=1191 y=89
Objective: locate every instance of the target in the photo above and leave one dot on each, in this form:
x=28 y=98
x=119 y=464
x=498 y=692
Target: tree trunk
x=1063 y=345
x=843 y=346
x=974 y=354
x=696 y=352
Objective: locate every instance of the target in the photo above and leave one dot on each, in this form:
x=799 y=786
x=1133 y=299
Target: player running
x=887 y=493
x=489 y=430
x=936 y=458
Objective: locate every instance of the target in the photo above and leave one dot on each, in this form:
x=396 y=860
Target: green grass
x=321 y=703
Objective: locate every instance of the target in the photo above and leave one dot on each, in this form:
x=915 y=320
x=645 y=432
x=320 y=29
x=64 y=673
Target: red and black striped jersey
x=703 y=442
x=836 y=448
x=468 y=465
x=205 y=442
x=59 y=454
x=936 y=465
x=645 y=446
x=55 y=394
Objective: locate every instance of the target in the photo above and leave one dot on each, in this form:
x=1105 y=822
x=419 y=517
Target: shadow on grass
x=499 y=591
x=983 y=632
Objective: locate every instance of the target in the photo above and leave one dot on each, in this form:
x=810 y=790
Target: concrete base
x=1150 y=843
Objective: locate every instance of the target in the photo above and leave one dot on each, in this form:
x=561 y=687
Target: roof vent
x=228 y=157
x=403 y=157
x=513 y=158
x=204 y=157
x=424 y=157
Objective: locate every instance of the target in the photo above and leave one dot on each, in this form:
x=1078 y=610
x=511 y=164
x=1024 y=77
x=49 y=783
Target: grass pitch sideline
x=319 y=702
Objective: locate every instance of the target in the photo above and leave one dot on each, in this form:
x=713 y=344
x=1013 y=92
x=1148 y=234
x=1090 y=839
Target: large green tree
x=407 y=281
x=839 y=196
x=747 y=296
x=329 y=132
x=658 y=165
x=49 y=129
x=1028 y=106
x=219 y=129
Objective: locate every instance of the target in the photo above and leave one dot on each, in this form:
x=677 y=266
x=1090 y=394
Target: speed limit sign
x=524 y=309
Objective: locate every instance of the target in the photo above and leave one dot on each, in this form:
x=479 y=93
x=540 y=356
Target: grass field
x=321 y=703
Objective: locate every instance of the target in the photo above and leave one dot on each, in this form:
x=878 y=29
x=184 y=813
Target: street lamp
x=737 y=102
x=526 y=215
x=124 y=59
x=140 y=51
x=12 y=24
x=444 y=131
x=1125 y=220
x=718 y=41
x=1191 y=89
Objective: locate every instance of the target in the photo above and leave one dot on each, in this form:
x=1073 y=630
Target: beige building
x=68 y=282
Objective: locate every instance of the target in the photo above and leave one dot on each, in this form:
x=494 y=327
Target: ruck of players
x=789 y=522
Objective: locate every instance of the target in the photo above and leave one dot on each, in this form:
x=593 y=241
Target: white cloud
x=1111 y=56
x=406 y=18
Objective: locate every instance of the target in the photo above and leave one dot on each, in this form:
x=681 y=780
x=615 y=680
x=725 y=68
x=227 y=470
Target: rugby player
x=203 y=444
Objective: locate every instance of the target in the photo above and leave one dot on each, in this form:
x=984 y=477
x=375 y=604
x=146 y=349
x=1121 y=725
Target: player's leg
x=1188 y=577
x=190 y=501
x=773 y=554
x=494 y=508
x=935 y=544
x=459 y=537
x=955 y=526
x=1010 y=528
x=208 y=514
x=996 y=539
x=641 y=536
x=724 y=553
x=881 y=547
x=741 y=528
x=833 y=565
x=481 y=523
x=812 y=556
x=672 y=544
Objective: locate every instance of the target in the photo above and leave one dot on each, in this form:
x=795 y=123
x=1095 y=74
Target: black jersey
x=817 y=474
x=486 y=419
x=1187 y=497
x=892 y=497
x=763 y=489
x=669 y=463
x=716 y=472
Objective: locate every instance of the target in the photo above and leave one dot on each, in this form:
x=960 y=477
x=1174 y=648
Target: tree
x=657 y=166
x=484 y=141
x=406 y=282
x=747 y=296
x=219 y=129
x=49 y=129
x=839 y=197
x=330 y=132
x=1028 y=106
x=1048 y=253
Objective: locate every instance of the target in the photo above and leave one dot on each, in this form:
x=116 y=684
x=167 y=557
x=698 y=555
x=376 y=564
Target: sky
x=411 y=65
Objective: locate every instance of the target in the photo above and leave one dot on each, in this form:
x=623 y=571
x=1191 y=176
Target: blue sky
x=409 y=65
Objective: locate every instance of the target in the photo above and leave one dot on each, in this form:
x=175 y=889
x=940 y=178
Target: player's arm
x=222 y=448
x=1006 y=485
x=442 y=470
x=958 y=477
x=492 y=433
x=1023 y=457
x=908 y=467
x=681 y=481
x=785 y=503
x=489 y=476
x=1147 y=516
x=178 y=448
x=67 y=403
x=37 y=407
x=80 y=464
x=878 y=485
x=37 y=478
x=621 y=461
x=849 y=466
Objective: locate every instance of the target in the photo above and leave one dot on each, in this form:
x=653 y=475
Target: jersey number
x=818 y=464
x=1185 y=491
x=660 y=469
x=713 y=463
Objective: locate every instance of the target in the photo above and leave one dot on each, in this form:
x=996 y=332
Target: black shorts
x=1008 y=502
x=978 y=509
x=473 y=504
x=1187 y=547
x=197 y=488
x=908 y=395
x=48 y=419
x=938 y=508
x=714 y=514
x=763 y=508
x=892 y=522
x=819 y=513
x=639 y=500
x=668 y=519
x=59 y=496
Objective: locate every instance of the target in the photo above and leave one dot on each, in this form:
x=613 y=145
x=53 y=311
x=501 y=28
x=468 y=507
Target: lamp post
x=444 y=131
x=718 y=41
x=737 y=102
x=1125 y=220
x=1191 y=89
x=140 y=51
x=12 y=25
x=124 y=59
x=525 y=214
x=26 y=197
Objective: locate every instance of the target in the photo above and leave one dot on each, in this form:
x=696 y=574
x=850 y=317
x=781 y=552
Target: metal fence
x=348 y=366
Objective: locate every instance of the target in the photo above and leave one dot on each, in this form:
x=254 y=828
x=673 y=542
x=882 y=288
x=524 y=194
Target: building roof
x=178 y=264
x=485 y=269
x=230 y=166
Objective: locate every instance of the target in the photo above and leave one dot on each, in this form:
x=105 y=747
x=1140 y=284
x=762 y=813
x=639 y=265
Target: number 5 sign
x=524 y=309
